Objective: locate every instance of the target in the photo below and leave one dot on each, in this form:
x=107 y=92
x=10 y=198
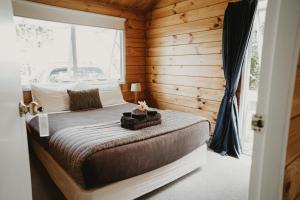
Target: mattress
x=120 y=160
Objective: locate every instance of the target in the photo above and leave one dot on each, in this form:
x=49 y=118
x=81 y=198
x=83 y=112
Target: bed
x=89 y=156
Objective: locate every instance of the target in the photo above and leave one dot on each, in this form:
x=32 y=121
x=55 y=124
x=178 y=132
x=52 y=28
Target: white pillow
x=50 y=98
x=111 y=96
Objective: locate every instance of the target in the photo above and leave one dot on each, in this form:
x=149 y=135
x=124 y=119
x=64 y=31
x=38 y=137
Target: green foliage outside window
x=254 y=64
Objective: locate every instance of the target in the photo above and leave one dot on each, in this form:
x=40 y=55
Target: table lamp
x=135 y=87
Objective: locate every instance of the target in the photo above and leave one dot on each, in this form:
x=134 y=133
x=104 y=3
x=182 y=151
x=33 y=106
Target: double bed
x=89 y=156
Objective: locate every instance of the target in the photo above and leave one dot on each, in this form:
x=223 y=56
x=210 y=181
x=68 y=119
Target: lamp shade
x=135 y=87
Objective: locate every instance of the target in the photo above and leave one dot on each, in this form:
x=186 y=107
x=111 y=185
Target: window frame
x=74 y=17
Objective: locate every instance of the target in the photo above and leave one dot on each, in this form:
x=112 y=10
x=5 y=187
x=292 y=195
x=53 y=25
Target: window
x=53 y=52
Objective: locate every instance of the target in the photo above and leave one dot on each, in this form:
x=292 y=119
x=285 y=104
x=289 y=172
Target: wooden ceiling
x=136 y=5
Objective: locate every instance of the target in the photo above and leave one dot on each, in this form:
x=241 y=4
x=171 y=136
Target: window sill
x=102 y=84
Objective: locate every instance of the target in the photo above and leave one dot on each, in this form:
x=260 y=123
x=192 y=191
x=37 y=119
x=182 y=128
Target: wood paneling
x=291 y=187
x=189 y=16
x=184 y=56
x=210 y=59
x=138 y=5
x=198 y=103
x=292 y=181
x=212 y=116
x=202 y=82
x=188 y=38
x=165 y=3
x=27 y=98
x=188 y=91
x=134 y=28
x=296 y=99
x=182 y=7
x=205 y=71
x=187 y=49
x=189 y=27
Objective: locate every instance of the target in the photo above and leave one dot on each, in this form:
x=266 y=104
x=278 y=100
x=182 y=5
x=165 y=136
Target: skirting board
x=126 y=189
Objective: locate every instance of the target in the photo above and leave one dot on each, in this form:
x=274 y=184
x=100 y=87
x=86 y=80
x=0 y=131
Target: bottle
x=43 y=124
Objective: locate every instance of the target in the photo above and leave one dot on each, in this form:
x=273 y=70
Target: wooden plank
x=133 y=42
x=204 y=82
x=291 y=185
x=184 y=57
x=164 y=3
x=195 y=92
x=189 y=16
x=27 y=97
x=135 y=24
x=135 y=33
x=135 y=51
x=138 y=69
x=195 y=26
x=204 y=71
x=211 y=116
x=293 y=148
x=211 y=59
x=197 y=103
x=296 y=98
x=182 y=7
x=138 y=5
x=187 y=49
x=188 y=38
x=132 y=78
x=135 y=60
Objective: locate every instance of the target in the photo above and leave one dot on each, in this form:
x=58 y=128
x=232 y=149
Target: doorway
x=250 y=78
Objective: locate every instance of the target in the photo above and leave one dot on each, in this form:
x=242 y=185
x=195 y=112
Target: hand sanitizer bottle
x=43 y=124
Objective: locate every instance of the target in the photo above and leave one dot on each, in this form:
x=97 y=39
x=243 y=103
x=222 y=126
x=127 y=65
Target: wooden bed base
x=126 y=189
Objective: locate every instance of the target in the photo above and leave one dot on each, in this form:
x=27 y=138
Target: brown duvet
x=94 y=159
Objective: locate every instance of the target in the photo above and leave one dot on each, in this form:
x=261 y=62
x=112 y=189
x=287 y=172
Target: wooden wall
x=291 y=190
x=184 y=61
x=135 y=37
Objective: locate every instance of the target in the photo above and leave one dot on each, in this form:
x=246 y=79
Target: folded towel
x=137 y=126
x=133 y=123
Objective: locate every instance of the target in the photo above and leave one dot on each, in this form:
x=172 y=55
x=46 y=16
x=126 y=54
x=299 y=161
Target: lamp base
x=135 y=97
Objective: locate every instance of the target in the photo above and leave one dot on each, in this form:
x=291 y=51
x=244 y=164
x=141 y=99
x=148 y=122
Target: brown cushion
x=84 y=99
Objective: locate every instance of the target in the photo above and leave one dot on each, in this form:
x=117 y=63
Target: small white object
x=135 y=87
x=43 y=124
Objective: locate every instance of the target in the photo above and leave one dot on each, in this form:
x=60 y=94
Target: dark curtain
x=236 y=31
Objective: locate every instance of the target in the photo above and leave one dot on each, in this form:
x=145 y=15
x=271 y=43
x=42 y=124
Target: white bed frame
x=126 y=189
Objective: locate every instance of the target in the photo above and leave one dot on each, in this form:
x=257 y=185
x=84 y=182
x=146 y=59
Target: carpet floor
x=221 y=178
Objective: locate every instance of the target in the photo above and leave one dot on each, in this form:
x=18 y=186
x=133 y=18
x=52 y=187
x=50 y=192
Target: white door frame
x=15 y=182
x=278 y=71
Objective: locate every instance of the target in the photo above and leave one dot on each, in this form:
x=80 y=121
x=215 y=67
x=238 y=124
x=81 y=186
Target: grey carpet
x=222 y=177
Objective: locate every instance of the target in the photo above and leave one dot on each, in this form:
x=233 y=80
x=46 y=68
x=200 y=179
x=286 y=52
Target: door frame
x=278 y=71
